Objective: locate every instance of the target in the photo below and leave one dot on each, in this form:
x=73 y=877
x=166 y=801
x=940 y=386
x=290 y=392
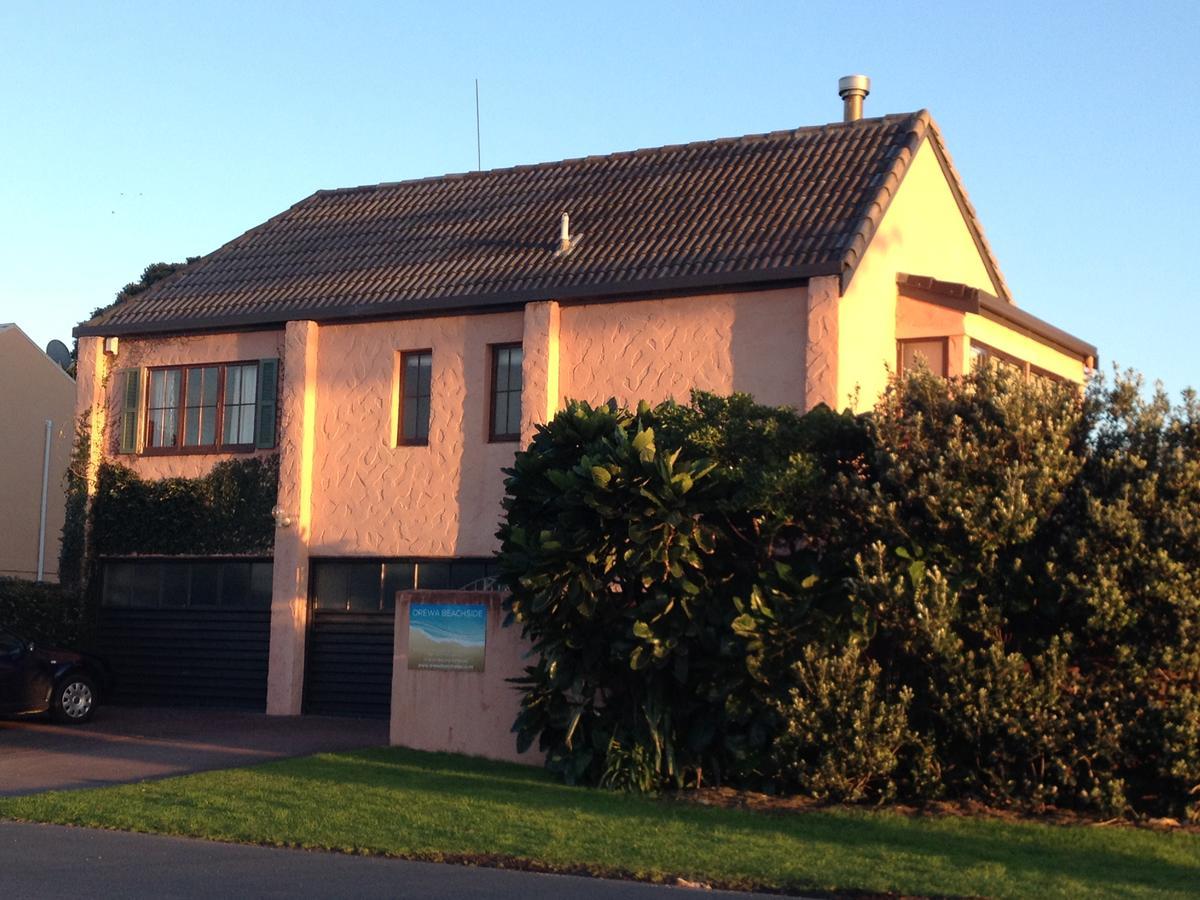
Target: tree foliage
x=988 y=587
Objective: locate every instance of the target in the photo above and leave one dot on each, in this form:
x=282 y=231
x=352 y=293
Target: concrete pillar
x=91 y=379
x=540 y=397
x=821 y=344
x=289 y=586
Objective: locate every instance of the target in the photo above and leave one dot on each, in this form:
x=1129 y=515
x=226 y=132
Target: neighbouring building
x=37 y=407
x=395 y=344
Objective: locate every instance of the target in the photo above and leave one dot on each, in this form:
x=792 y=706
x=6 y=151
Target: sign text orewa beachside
x=447 y=637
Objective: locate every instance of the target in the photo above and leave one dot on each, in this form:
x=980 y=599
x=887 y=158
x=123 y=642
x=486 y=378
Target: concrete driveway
x=125 y=744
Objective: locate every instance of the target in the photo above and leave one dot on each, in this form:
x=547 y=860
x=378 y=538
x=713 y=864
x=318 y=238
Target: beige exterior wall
x=923 y=233
x=374 y=498
x=33 y=389
x=656 y=349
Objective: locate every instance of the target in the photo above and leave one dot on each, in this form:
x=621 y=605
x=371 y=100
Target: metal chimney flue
x=853 y=89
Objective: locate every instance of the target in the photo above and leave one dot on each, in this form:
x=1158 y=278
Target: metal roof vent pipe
x=853 y=89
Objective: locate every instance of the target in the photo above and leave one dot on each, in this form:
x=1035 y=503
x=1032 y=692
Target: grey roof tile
x=735 y=211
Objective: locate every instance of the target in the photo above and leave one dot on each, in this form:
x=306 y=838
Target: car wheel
x=74 y=699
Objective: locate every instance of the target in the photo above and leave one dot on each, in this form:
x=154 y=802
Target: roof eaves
x=407 y=308
x=866 y=227
x=965 y=298
x=92 y=325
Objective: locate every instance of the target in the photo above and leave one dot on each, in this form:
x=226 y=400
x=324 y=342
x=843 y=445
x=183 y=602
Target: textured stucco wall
x=176 y=351
x=923 y=233
x=460 y=712
x=293 y=532
x=373 y=498
x=654 y=349
x=33 y=389
x=821 y=342
x=541 y=367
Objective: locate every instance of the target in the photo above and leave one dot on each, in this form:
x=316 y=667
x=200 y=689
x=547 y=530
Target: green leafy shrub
x=38 y=611
x=227 y=511
x=651 y=581
x=987 y=588
x=840 y=737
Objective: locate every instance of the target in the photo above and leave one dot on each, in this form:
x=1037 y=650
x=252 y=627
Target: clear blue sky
x=133 y=133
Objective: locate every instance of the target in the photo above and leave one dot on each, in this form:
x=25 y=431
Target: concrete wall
x=460 y=712
x=923 y=233
x=33 y=389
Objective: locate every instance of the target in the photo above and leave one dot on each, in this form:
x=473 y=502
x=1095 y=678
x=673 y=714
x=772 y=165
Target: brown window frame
x=1039 y=372
x=494 y=350
x=998 y=355
x=148 y=449
x=401 y=440
x=944 y=341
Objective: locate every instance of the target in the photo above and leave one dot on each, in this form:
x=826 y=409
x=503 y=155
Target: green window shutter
x=268 y=389
x=131 y=412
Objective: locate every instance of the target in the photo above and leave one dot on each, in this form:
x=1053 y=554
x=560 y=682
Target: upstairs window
x=933 y=353
x=506 y=392
x=196 y=408
x=982 y=355
x=240 y=401
x=416 y=375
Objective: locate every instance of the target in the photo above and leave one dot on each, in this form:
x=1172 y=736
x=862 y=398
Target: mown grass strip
x=402 y=803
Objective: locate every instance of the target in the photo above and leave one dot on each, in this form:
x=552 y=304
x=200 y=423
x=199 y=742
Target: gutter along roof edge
x=407 y=309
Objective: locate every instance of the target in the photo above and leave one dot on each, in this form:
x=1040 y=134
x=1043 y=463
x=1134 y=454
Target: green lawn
x=433 y=806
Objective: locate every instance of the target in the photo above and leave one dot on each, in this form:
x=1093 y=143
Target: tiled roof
x=751 y=210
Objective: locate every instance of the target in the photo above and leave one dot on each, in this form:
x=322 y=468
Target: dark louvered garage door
x=352 y=627
x=187 y=633
x=349 y=664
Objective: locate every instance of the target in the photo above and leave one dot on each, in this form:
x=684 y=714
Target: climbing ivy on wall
x=74 y=531
x=227 y=511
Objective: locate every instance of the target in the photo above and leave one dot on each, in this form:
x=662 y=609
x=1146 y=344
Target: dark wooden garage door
x=352 y=627
x=349 y=664
x=187 y=632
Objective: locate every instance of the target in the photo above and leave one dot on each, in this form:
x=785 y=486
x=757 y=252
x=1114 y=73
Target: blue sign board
x=447 y=636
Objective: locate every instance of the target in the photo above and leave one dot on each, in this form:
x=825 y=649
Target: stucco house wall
x=373 y=497
x=657 y=349
x=33 y=389
x=923 y=231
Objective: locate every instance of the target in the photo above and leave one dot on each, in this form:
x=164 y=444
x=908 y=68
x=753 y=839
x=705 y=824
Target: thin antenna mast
x=478 y=150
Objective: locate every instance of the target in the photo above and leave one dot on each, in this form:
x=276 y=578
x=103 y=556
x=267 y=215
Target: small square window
x=505 y=424
x=932 y=353
x=416 y=376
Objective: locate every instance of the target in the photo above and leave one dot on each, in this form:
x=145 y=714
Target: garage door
x=187 y=632
x=352 y=627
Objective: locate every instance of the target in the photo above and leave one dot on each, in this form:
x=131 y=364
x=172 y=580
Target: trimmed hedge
x=987 y=588
x=227 y=511
x=46 y=613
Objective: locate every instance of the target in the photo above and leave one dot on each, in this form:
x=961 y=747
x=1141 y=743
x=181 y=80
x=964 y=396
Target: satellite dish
x=58 y=352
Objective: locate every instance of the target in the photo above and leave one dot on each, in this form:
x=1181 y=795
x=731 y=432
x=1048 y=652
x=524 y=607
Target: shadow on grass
x=1117 y=859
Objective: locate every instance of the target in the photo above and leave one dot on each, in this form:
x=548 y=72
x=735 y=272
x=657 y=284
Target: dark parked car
x=36 y=679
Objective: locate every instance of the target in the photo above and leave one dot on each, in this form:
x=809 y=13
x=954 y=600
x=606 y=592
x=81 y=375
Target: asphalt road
x=49 y=861
x=124 y=744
